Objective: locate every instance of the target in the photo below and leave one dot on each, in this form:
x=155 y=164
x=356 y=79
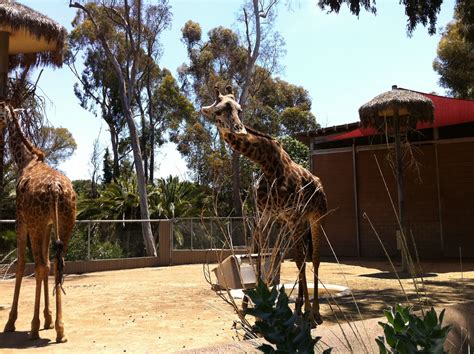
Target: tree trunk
x=144 y=211
x=115 y=154
x=114 y=139
x=152 y=153
x=126 y=88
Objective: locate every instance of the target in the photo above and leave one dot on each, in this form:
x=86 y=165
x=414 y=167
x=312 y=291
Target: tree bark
x=126 y=88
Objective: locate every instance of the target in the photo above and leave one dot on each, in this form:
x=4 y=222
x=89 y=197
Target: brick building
x=439 y=189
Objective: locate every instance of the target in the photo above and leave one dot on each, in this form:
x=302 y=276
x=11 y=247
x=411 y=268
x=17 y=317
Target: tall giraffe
x=44 y=198
x=293 y=194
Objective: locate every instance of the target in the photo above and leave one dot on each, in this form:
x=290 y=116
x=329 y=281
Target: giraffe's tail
x=58 y=243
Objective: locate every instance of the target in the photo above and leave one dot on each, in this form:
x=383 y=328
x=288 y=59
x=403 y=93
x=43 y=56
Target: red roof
x=447 y=111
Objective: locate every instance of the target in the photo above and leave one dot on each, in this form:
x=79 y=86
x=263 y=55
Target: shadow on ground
x=372 y=303
x=19 y=340
x=393 y=275
x=426 y=266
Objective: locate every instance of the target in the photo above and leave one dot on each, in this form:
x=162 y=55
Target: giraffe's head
x=225 y=112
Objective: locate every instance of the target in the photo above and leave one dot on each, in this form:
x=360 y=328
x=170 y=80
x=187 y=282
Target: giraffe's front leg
x=316 y=261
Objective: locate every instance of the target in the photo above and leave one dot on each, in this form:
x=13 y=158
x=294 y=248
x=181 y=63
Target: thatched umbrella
x=397 y=110
x=27 y=38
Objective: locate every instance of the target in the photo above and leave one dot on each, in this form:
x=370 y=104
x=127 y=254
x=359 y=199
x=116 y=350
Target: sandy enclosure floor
x=169 y=309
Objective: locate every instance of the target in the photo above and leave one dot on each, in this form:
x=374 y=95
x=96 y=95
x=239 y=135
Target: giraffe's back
x=37 y=191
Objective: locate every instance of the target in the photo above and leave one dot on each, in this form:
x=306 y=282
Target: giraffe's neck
x=22 y=151
x=261 y=149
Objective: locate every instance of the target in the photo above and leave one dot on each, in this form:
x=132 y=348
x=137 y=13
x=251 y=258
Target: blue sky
x=343 y=61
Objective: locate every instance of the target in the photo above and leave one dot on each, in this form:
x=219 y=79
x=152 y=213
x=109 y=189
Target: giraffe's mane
x=258 y=133
x=31 y=148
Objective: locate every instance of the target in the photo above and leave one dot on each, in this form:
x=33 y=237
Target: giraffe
x=293 y=194
x=44 y=199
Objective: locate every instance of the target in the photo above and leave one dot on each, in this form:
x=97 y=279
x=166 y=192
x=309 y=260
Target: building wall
x=457 y=197
x=439 y=206
x=335 y=171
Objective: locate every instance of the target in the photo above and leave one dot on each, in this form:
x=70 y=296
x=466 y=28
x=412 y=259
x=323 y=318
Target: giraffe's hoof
x=48 y=325
x=61 y=339
x=317 y=319
x=33 y=335
x=9 y=327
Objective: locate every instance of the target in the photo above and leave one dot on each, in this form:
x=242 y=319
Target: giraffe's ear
x=207 y=110
x=218 y=94
x=229 y=90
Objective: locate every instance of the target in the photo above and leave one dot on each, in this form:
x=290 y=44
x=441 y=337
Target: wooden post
x=400 y=189
x=165 y=244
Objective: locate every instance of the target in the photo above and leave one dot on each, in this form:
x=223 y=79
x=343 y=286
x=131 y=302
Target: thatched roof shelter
x=408 y=106
x=34 y=38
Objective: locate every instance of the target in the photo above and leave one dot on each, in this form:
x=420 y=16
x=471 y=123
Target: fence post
x=192 y=234
x=89 y=240
x=165 y=237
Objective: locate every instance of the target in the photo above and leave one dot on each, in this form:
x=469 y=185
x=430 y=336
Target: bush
x=277 y=323
x=407 y=333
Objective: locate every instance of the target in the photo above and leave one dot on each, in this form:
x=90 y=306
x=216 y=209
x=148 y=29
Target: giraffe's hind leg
x=65 y=229
x=48 y=318
x=21 y=236
x=36 y=237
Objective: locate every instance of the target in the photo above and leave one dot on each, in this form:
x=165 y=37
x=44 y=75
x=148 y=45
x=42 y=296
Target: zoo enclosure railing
x=118 y=244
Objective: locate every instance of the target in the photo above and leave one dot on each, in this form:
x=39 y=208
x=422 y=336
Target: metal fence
x=210 y=233
x=112 y=239
x=93 y=239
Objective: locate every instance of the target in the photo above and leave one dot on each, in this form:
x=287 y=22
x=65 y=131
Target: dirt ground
x=169 y=309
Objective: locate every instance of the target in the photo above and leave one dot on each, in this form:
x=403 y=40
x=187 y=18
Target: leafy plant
x=405 y=332
x=277 y=323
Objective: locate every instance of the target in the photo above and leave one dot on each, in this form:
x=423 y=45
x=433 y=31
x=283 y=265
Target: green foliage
x=100 y=249
x=277 y=323
x=58 y=144
x=298 y=151
x=7 y=244
x=455 y=60
x=107 y=168
x=170 y=198
x=424 y=12
x=405 y=332
x=274 y=106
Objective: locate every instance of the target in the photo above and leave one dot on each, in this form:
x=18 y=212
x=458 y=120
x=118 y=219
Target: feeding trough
x=238 y=271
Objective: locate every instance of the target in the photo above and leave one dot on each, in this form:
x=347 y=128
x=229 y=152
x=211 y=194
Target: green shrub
x=277 y=323
x=405 y=332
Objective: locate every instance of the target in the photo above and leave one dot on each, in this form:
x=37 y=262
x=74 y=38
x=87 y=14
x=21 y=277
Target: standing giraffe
x=293 y=194
x=44 y=198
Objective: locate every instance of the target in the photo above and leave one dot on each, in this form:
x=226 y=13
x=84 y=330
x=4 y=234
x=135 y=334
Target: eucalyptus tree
x=455 y=55
x=121 y=30
x=424 y=12
x=272 y=105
